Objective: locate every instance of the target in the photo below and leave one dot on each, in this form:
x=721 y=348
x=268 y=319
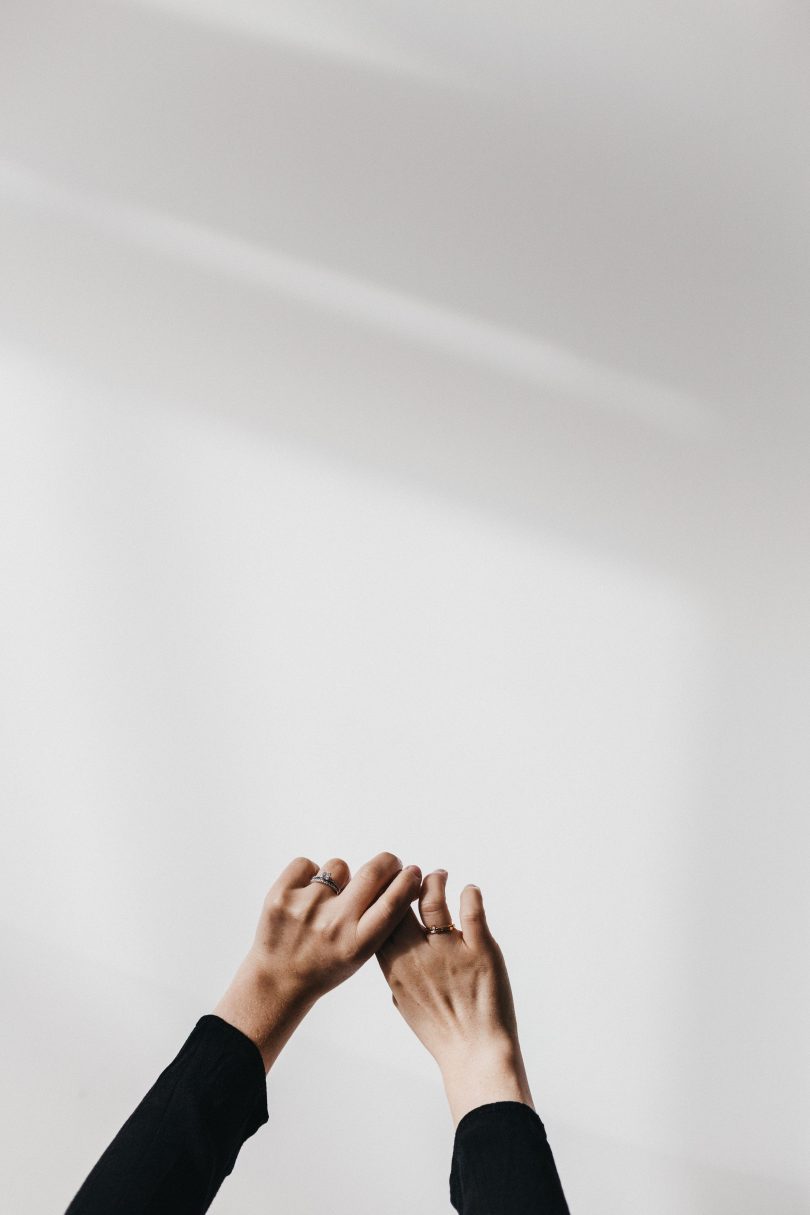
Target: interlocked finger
x=433 y=907
x=369 y=882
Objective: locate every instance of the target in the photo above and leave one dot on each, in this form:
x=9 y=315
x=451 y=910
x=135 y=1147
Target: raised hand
x=309 y=939
x=453 y=990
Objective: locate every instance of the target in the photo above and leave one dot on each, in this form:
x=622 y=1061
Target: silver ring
x=326 y=879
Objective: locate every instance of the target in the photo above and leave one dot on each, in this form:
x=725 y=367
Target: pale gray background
x=405 y=445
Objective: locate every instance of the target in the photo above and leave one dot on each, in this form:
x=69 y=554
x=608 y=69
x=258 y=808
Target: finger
x=433 y=901
x=473 y=917
x=382 y=917
x=297 y=873
x=338 y=870
x=369 y=881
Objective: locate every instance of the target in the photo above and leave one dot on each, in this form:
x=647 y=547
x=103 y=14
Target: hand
x=453 y=991
x=308 y=940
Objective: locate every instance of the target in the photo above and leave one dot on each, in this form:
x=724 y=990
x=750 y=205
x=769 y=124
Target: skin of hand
x=308 y=940
x=453 y=991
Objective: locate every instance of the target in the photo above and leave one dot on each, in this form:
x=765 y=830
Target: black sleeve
x=173 y=1153
x=502 y=1164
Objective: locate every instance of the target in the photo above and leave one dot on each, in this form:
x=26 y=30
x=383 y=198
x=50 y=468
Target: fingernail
x=444 y=871
x=415 y=869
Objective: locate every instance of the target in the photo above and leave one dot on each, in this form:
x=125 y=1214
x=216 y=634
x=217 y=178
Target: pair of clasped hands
x=451 y=988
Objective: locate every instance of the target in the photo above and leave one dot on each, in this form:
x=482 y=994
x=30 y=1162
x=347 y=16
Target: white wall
x=404 y=445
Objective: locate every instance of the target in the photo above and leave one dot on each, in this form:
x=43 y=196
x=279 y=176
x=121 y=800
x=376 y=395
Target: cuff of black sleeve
x=229 y=1068
x=492 y=1142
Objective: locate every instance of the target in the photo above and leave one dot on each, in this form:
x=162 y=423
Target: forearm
x=174 y=1151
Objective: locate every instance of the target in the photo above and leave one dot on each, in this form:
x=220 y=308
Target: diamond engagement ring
x=326 y=879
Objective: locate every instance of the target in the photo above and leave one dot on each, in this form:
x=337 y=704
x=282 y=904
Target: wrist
x=483 y=1072
x=492 y=1051
x=264 y=1006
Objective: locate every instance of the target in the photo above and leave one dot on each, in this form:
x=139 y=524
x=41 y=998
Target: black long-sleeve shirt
x=175 y=1150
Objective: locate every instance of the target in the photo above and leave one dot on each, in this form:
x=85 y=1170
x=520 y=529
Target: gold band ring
x=444 y=928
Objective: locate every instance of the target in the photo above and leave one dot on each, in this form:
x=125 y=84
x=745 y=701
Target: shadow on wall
x=171 y=333
x=590 y=210
x=220 y=133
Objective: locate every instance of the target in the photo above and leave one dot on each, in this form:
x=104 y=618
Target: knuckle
x=301 y=910
x=273 y=899
x=432 y=905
